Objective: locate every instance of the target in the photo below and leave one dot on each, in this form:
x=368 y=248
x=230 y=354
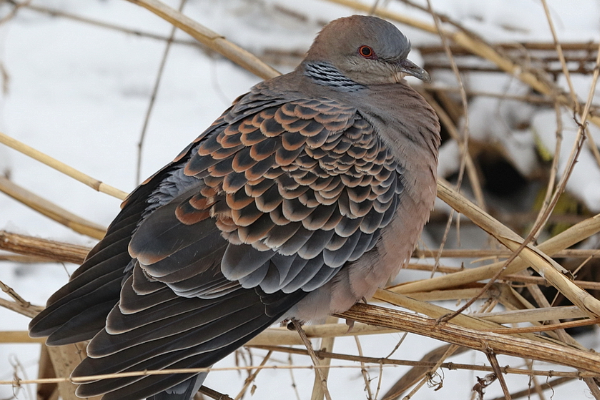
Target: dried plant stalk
x=501 y=253
x=51 y=210
x=428 y=364
x=63 y=14
x=29 y=311
x=542 y=263
x=565 y=239
x=29 y=245
x=531 y=315
x=62 y=167
x=478 y=340
x=18 y=337
x=435 y=311
x=209 y=38
x=271 y=336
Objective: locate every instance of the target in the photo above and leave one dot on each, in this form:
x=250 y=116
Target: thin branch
x=478 y=340
x=29 y=245
x=494 y=361
x=159 y=74
x=51 y=210
x=314 y=358
x=253 y=376
x=101 y=24
x=62 y=167
x=428 y=364
x=209 y=38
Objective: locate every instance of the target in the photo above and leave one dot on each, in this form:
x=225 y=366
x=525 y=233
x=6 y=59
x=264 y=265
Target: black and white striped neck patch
x=327 y=75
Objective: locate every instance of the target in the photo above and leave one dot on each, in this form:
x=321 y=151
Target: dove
x=304 y=197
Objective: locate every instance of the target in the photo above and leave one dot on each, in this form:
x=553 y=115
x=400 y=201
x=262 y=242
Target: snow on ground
x=79 y=93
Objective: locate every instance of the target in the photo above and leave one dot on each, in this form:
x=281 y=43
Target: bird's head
x=368 y=50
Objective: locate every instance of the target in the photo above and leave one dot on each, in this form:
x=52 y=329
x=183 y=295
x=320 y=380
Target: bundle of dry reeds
x=517 y=278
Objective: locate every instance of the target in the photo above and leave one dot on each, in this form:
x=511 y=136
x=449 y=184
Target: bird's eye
x=366 y=52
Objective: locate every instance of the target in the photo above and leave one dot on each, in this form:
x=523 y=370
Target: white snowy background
x=79 y=93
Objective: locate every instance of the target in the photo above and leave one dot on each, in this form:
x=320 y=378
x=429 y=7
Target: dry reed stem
x=363 y=369
x=23 y=259
x=469 y=164
x=428 y=375
x=531 y=315
x=159 y=74
x=384 y=361
x=593 y=386
x=29 y=245
x=51 y=210
x=542 y=301
x=82 y=379
x=451 y=294
x=65 y=359
x=19 y=304
x=61 y=167
x=211 y=39
x=416 y=372
x=524 y=279
x=567 y=75
x=567 y=46
x=15 y=296
x=282 y=336
x=63 y=14
x=320 y=377
x=18 y=337
x=549 y=327
x=429 y=364
x=528 y=281
x=326 y=345
x=475 y=339
x=543 y=264
x=534 y=381
x=434 y=311
x=567 y=238
x=271 y=336
x=462 y=141
x=545 y=386
x=477 y=47
x=213 y=394
x=498 y=372
x=29 y=311
x=522 y=249
x=252 y=377
x=499 y=253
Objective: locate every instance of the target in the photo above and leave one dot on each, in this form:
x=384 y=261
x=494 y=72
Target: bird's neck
x=325 y=74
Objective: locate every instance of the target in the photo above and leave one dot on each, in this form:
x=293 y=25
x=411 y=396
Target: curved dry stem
x=62 y=167
x=217 y=42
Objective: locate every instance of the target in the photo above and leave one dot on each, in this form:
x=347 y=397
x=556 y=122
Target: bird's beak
x=407 y=67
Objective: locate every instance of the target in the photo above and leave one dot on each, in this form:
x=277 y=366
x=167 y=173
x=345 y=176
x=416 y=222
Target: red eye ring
x=366 y=52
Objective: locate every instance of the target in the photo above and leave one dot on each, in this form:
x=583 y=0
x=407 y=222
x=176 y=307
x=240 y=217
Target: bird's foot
x=350 y=323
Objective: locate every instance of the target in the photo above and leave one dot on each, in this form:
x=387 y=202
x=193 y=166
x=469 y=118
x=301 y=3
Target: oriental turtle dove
x=304 y=197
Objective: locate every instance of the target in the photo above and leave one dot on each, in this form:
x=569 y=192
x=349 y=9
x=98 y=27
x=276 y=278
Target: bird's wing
x=265 y=208
x=78 y=310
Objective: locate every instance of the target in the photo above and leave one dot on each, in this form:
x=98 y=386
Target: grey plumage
x=305 y=196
